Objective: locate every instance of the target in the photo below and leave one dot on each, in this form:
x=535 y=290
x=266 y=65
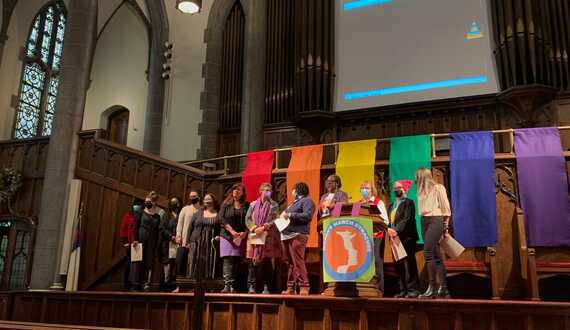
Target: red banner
x=257 y=171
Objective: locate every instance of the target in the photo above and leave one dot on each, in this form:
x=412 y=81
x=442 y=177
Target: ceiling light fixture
x=189 y=6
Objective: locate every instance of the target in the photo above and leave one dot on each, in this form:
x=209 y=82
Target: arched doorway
x=118 y=126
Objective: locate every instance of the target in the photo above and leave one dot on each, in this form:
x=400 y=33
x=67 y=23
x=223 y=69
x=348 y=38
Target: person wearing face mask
x=184 y=219
x=232 y=234
x=332 y=196
x=403 y=225
x=146 y=233
x=294 y=238
x=167 y=240
x=203 y=232
x=369 y=195
x=126 y=234
x=258 y=220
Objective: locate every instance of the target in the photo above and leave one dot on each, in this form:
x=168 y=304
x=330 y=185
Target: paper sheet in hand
x=451 y=247
x=172 y=247
x=136 y=253
x=281 y=223
x=237 y=241
x=398 y=250
x=257 y=239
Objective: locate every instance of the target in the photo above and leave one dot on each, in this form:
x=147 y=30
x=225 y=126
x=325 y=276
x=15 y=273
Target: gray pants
x=432 y=229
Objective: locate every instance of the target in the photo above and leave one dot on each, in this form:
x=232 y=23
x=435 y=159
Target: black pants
x=407 y=268
x=432 y=229
x=229 y=270
x=265 y=267
x=127 y=273
x=379 y=263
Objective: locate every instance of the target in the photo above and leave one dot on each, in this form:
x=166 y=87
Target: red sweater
x=126 y=231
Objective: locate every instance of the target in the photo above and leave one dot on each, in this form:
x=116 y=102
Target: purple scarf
x=261 y=211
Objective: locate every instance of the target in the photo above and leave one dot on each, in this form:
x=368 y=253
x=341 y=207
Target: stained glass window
x=20 y=260
x=40 y=75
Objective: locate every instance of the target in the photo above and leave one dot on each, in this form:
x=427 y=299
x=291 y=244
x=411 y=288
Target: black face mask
x=174 y=206
x=399 y=193
x=148 y=205
x=194 y=200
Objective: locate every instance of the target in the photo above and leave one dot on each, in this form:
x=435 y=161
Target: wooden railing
x=226 y=165
x=277 y=312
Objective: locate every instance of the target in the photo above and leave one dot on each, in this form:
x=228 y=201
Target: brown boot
x=289 y=291
x=304 y=292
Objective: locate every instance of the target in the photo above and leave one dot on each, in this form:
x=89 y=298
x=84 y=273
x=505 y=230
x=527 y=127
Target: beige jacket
x=184 y=220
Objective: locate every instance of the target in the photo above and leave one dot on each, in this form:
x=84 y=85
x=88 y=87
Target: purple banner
x=473 y=200
x=543 y=186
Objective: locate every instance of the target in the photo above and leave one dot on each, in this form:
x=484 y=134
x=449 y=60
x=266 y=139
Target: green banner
x=407 y=154
x=348 y=250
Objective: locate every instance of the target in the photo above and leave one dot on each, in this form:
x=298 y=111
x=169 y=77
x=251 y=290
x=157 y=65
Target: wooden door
x=118 y=126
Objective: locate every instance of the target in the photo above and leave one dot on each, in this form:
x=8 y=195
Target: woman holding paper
x=295 y=237
x=203 y=231
x=333 y=195
x=232 y=234
x=369 y=195
x=167 y=240
x=145 y=234
x=258 y=219
x=435 y=213
x=403 y=228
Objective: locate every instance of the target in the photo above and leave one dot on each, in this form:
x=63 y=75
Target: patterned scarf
x=261 y=211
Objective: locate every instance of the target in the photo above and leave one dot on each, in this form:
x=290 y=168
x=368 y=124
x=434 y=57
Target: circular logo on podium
x=348 y=250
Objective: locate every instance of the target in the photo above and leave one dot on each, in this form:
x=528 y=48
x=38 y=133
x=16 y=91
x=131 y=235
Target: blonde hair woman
x=435 y=213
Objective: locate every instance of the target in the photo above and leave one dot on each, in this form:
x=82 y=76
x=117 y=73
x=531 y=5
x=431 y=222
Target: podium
x=357 y=216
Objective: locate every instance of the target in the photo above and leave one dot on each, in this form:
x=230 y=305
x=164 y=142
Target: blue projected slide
x=350 y=5
x=407 y=51
x=416 y=87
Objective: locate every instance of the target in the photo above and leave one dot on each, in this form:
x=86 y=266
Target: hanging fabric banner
x=473 y=200
x=407 y=155
x=305 y=166
x=543 y=186
x=257 y=171
x=355 y=164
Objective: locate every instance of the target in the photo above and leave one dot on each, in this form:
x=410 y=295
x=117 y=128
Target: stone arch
x=211 y=72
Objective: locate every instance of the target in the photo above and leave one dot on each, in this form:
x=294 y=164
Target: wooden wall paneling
x=145 y=176
x=220 y=316
x=100 y=161
x=129 y=170
x=114 y=166
x=161 y=180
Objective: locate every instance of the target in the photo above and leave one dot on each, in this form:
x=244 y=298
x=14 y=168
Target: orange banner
x=305 y=166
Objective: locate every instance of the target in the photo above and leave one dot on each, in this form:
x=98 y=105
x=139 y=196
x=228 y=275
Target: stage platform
x=243 y=311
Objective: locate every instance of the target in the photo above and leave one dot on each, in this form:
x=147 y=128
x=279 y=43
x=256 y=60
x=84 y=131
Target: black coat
x=405 y=222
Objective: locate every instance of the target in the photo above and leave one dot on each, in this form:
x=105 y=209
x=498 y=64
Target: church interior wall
x=118 y=75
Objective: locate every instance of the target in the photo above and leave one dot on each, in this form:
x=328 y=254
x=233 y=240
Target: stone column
x=156 y=85
x=253 y=105
x=79 y=45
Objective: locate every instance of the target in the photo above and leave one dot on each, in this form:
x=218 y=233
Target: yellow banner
x=355 y=164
